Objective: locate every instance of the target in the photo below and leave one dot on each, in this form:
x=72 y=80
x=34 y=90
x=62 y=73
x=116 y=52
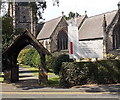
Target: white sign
x=90 y=49
x=83 y=49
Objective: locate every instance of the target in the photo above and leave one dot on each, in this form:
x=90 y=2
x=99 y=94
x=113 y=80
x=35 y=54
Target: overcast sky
x=93 y=7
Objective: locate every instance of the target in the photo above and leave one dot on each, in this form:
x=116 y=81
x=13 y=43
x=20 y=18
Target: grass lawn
x=35 y=70
x=1 y=77
x=52 y=81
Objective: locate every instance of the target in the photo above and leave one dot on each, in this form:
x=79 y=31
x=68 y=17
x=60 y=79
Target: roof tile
x=92 y=27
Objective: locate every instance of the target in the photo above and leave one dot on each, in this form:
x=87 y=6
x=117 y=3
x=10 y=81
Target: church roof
x=48 y=28
x=92 y=27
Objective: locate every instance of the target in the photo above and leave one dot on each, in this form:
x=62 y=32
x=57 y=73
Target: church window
x=62 y=41
x=116 y=37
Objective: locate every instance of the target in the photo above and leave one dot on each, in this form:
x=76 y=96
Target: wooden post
x=11 y=75
x=43 y=78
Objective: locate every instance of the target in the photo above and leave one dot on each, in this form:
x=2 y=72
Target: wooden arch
x=9 y=57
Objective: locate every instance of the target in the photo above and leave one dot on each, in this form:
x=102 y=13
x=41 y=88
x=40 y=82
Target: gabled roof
x=92 y=27
x=48 y=28
x=22 y=40
x=11 y=53
x=79 y=20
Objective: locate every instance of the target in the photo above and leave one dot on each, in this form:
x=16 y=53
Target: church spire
x=104 y=23
x=119 y=5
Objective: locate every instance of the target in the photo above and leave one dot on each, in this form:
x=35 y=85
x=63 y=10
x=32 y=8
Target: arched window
x=62 y=40
x=116 y=37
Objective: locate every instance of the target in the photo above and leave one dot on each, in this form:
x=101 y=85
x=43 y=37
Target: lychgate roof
x=23 y=40
x=48 y=28
x=92 y=27
x=11 y=53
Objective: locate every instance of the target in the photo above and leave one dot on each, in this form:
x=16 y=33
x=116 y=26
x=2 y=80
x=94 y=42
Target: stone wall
x=22 y=17
x=46 y=44
x=114 y=35
x=111 y=33
x=61 y=26
x=51 y=43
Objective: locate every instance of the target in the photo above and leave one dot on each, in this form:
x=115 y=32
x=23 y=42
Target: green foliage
x=54 y=81
x=21 y=56
x=8 y=34
x=100 y=72
x=1 y=77
x=49 y=62
x=7 y=31
x=32 y=58
x=58 y=62
x=29 y=57
x=72 y=15
x=19 y=31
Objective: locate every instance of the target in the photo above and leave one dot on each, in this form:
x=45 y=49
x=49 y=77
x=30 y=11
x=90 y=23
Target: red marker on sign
x=71 y=48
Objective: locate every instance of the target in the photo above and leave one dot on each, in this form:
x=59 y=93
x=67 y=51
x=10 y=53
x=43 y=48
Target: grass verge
x=32 y=69
x=52 y=81
x=1 y=77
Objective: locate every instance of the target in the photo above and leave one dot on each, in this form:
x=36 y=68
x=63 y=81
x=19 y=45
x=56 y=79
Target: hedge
x=57 y=63
x=99 y=72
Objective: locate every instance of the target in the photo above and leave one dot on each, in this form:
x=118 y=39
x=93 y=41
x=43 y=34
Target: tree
x=7 y=31
x=72 y=15
x=39 y=7
x=8 y=34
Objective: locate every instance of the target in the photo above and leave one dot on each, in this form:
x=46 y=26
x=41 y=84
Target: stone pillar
x=11 y=75
x=105 y=37
x=43 y=78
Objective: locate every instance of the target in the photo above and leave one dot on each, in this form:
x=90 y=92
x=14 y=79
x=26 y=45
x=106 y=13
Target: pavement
x=29 y=83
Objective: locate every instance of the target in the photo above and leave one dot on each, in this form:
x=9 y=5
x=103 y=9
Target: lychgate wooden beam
x=10 y=67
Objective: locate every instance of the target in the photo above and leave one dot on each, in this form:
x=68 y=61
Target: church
x=53 y=34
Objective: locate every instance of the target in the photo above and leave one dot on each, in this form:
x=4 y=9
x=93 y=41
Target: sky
x=93 y=7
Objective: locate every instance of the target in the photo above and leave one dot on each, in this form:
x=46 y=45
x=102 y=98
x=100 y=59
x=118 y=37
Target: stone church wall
x=61 y=26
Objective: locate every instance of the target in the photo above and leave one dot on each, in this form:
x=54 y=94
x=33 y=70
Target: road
x=27 y=89
x=59 y=95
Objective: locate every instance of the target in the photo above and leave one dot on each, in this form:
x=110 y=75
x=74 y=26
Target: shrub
x=21 y=56
x=29 y=57
x=49 y=62
x=100 y=72
x=58 y=62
